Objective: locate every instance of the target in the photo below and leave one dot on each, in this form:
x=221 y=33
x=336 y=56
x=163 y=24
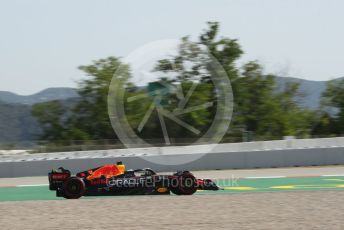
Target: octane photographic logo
x=230 y=183
x=158 y=87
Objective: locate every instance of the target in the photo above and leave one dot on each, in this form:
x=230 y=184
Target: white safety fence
x=284 y=153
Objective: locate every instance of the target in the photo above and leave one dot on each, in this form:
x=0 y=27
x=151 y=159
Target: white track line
x=263 y=177
x=31 y=185
x=332 y=175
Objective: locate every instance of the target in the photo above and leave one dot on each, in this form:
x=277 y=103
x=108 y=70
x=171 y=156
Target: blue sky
x=42 y=42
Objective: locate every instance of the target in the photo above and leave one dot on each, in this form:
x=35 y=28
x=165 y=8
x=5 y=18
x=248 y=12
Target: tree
x=193 y=67
x=270 y=115
x=88 y=118
x=333 y=97
x=258 y=107
x=51 y=116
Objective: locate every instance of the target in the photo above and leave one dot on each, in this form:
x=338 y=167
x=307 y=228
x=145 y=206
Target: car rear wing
x=57 y=178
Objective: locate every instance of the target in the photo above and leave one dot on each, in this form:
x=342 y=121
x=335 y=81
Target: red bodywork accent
x=107 y=170
x=99 y=181
x=200 y=184
x=60 y=176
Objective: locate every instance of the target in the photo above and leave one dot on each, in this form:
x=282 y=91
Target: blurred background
x=283 y=59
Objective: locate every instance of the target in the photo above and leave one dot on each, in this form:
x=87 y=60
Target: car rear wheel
x=73 y=188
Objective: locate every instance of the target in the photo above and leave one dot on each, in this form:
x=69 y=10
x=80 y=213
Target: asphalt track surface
x=232 y=181
x=252 y=185
x=291 y=198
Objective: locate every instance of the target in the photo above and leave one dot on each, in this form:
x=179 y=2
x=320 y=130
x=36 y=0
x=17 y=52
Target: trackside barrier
x=217 y=159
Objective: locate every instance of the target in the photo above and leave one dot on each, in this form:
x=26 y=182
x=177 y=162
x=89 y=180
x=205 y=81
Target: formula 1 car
x=113 y=179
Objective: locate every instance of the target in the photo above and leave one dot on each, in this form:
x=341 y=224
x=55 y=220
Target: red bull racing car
x=113 y=179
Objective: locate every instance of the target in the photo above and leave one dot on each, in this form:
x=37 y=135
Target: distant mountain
x=17 y=124
x=49 y=94
x=311 y=90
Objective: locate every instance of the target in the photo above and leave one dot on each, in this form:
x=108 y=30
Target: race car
x=114 y=179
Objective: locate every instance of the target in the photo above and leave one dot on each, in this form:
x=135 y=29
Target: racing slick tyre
x=73 y=188
x=187 y=184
